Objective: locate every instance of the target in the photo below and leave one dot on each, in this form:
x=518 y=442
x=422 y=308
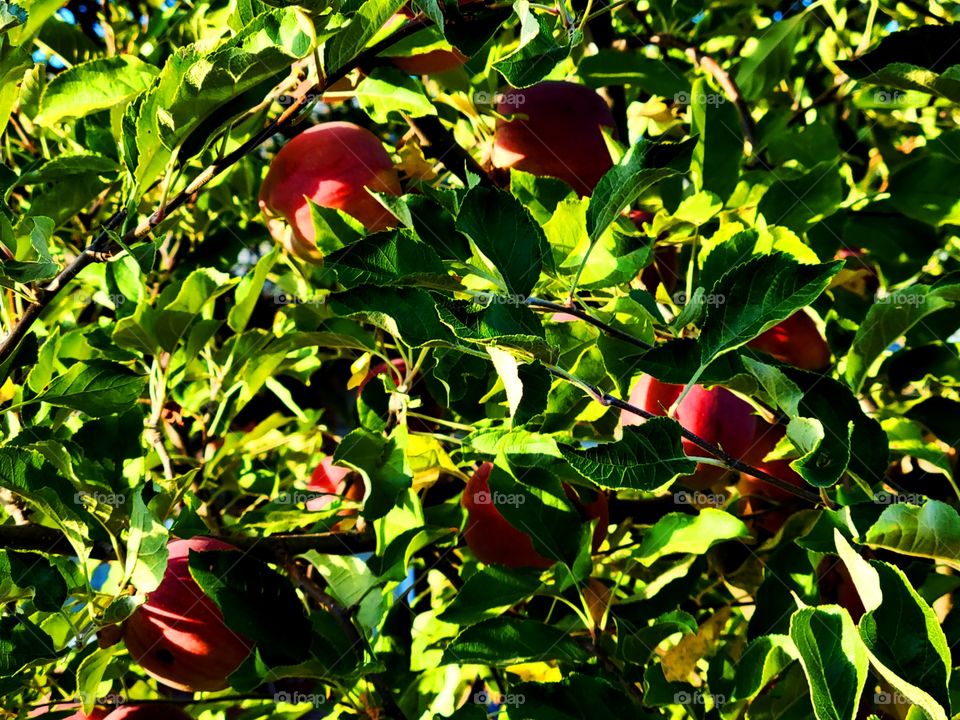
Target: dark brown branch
x=538 y=304
x=100 y=247
x=51 y=540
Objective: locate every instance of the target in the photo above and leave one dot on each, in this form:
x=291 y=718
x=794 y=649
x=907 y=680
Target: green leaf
x=833 y=658
x=923 y=58
x=27 y=570
x=388 y=90
x=489 y=592
x=644 y=165
x=248 y=291
x=22 y=643
x=93 y=86
x=146 y=547
x=536 y=59
x=97 y=388
x=90 y=673
x=364 y=25
x=691 y=534
x=407 y=313
x=821 y=189
x=639 y=645
x=931 y=530
x=504 y=324
x=715 y=163
x=904 y=640
x=768 y=56
x=756 y=296
x=383 y=465
x=763 y=660
x=648 y=457
x=256 y=602
x=195 y=86
x=70 y=165
x=506 y=234
x=395 y=258
x=576 y=697
x=888 y=319
x=507 y=641
x=11 y=15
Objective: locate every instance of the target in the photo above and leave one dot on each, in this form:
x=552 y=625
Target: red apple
x=433 y=61
x=334 y=481
x=496 y=542
x=556 y=132
x=178 y=636
x=795 y=341
x=152 y=711
x=332 y=164
x=769 y=505
x=716 y=415
x=837 y=588
x=98 y=713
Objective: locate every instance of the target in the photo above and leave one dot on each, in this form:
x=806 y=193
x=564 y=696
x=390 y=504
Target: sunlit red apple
x=556 y=132
x=495 y=541
x=331 y=482
x=716 y=415
x=179 y=636
x=333 y=164
x=796 y=341
x=151 y=711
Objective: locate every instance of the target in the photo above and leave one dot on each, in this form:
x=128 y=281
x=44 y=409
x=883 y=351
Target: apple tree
x=371 y=359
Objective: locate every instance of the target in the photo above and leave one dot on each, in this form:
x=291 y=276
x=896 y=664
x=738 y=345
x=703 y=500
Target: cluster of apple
x=332 y=164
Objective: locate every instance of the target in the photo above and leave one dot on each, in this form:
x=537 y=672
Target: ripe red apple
x=153 y=711
x=496 y=542
x=334 y=481
x=433 y=61
x=795 y=341
x=557 y=133
x=178 y=636
x=332 y=164
x=768 y=505
x=716 y=415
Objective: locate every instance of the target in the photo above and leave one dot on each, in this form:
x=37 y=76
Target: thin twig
x=538 y=304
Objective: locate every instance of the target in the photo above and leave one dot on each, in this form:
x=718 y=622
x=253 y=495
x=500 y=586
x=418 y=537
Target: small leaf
x=489 y=592
x=507 y=641
x=692 y=534
x=931 y=530
x=96 y=388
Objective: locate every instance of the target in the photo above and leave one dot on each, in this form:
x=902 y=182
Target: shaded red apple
x=556 y=133
x=432 y=61
x=795 y=341
x=716 y=415
x=98 y=713
x=333 y=481
x=767 y=505
x=152 y=711
x=837 y=588
x=496 y=542
x=332 y=164
x=178 y=636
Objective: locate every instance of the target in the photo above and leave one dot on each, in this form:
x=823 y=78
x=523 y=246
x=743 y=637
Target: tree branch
x=538 y=304
x=270 y=549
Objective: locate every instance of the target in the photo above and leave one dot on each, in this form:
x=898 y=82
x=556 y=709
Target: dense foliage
x=418 y=421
